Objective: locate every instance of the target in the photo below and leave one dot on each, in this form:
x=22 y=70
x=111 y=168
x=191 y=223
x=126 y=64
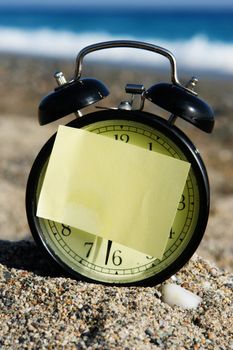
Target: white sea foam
x=195 y=53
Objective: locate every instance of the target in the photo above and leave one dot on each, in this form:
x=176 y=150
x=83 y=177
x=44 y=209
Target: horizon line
x=123 y=7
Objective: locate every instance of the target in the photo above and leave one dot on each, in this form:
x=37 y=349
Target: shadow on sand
x=25 y=255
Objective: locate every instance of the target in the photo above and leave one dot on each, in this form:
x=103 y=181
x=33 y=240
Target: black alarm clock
x=72 y=249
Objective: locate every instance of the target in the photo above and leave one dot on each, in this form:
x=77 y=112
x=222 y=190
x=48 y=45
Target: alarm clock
x=115 y=264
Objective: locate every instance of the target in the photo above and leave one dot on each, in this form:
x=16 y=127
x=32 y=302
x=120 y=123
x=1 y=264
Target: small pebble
x=213 y=272
x=176 y=295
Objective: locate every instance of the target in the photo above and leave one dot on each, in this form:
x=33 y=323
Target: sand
x=40 y=309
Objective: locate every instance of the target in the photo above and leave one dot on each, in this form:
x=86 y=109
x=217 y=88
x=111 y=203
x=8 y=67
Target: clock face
x=105 y=261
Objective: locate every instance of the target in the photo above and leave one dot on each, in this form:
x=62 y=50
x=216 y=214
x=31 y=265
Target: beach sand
x=39 y=306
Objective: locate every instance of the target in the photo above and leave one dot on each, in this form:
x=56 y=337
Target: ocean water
x=199 y=39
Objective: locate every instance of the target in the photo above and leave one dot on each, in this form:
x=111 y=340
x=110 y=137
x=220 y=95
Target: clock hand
x=108 y=251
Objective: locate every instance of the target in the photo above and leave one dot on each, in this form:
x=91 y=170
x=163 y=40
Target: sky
x=121 y=3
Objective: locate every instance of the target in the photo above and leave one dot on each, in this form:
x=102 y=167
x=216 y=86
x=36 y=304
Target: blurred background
x=40 y=37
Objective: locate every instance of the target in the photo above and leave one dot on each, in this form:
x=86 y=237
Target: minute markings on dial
x=84 y=262
x=137 y=130
x=163 y=143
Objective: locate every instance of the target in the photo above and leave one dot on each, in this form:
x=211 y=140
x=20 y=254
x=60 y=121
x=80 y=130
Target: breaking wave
x=197 y=52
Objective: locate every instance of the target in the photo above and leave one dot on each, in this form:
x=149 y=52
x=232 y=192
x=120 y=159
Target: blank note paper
x=111 y=189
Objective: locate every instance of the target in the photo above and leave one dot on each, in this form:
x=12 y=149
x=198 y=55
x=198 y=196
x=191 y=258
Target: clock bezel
x=170 y=131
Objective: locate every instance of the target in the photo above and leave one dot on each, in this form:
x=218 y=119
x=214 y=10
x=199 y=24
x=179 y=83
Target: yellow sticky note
x=111 y=189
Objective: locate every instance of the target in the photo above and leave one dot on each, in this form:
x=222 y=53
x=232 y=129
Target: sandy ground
x=40 y=309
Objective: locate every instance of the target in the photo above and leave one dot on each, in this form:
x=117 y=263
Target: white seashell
x=173 y=294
